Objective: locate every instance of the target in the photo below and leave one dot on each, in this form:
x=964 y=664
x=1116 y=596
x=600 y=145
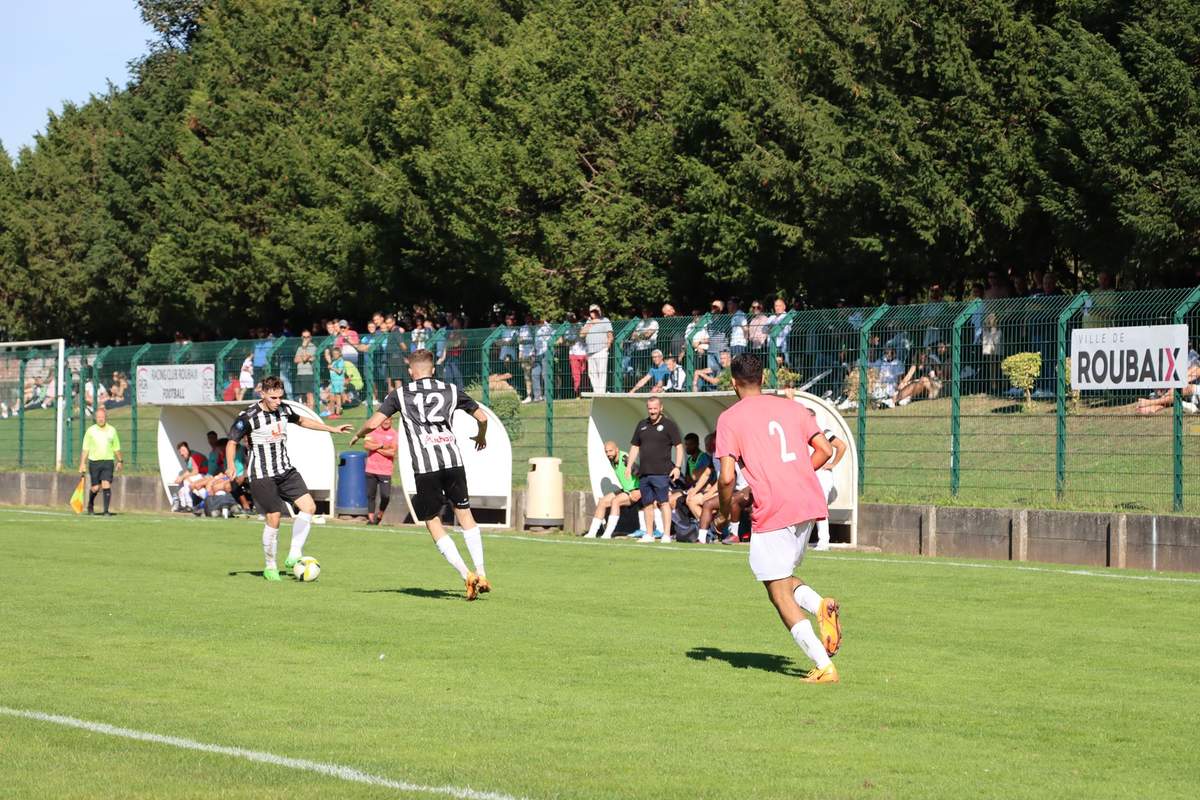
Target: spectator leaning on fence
x=598 y=337
x=526 y=335
x=577 y=351
x=337 y=384
x=738 y=328
x=305 y=359
x=644 y=340
x=676 y=380
x=542 y=354
x=246 y=377
x=656 y=376
x=708 y=379
x=100 y=459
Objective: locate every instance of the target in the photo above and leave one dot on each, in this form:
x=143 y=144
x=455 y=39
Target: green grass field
x=595 y=670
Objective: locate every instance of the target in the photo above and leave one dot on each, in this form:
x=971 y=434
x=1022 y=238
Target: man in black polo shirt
x=651 y=446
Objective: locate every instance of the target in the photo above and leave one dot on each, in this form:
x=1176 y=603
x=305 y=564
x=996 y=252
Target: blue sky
x=57 y=50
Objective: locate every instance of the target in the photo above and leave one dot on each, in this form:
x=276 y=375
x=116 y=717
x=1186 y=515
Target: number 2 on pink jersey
x=773 y=428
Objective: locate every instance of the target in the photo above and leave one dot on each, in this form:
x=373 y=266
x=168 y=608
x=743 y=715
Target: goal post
x=32 y=374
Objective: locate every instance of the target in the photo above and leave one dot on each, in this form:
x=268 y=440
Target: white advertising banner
x=176 y=384
x=1144 y=357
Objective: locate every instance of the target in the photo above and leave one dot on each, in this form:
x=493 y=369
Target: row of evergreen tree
x=277 y=160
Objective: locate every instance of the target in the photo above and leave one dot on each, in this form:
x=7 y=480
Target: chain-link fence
x=932 y=391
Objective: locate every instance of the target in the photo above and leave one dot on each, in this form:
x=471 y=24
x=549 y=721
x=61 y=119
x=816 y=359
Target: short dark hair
x=271 y=383
x=692 y=437
x=421 y=357
x=746 y=369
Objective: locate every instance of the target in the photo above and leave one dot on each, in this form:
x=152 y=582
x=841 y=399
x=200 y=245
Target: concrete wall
x=1138 y=541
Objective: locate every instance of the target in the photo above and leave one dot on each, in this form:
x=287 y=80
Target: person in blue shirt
x=656 y=376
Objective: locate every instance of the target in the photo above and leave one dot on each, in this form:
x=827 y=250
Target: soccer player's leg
x=773 y=557
x=266 y=498
x=427 y=505
x=292 y=489
x=825 y=609
x=825 y=477
x=602 y=508
x=455 y=487
x=620 y=500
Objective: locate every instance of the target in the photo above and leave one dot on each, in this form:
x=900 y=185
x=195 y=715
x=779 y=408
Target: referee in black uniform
x=273 y=479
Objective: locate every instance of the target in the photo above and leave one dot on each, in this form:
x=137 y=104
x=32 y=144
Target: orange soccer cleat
x=484 y=586
x=827 y=675
x=472 y=586
x=831 y=628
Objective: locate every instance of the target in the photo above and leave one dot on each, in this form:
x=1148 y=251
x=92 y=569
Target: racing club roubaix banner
x=175 y=384
x=1145 y=357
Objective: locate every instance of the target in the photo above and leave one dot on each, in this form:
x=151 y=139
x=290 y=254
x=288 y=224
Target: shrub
x=1022 y=370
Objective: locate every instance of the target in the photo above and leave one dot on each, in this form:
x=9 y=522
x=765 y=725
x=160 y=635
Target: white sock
x=733 y=528
x=595 y=527
x=185 y=497
x=475 y=547
x=658 y=520
x=270 y=535
x=449 y=551
x=807 y=599
x=802 y=632
x=822 y=532
x=300 y=528
x=613 y=519
x=703 y=535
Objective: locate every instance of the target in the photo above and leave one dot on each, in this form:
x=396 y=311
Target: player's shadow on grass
x=417 y=591
x=252 y=573
x=767 y=662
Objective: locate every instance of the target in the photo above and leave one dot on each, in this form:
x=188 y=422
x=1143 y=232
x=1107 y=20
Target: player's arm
x=373 y=422
x=725 y=484
x=822 y=450
x=313 y=425
x=120 y=459
x=679 y=461
x=231 y=451
x=83 y=456
x=839 y=450
x=629 y=459
x=480 y=437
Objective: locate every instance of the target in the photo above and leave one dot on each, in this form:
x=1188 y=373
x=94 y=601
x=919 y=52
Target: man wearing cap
x=597 y=334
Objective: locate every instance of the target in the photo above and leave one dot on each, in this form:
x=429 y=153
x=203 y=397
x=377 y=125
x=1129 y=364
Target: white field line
x=331 y=770
x=724 y=550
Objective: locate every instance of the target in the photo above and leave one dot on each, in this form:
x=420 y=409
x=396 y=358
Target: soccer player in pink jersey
x=768 y=436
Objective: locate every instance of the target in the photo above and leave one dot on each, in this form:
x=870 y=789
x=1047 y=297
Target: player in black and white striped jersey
x=825 y=476
x=273 y=479
x=426 y=407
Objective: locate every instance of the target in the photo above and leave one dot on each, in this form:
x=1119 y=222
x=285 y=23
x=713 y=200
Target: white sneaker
x=318 y=519
x=527 y=400
x=606 y=536
x=821 y=546
x=666 y=540
x=589 y=536
x=905 y=401
x=647 y=539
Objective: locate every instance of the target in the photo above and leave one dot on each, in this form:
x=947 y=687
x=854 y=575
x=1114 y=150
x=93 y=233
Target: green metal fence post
x=97 y=365
x=485 y=364
x=548 y=382
x=616 y=353
x=369 y=370
x=1181 y=312
x=773 y=346
x=181 y=352
x=68 y=398
x=219 y=381
x=21 y=411
x=956 y=391
x=1060 y=392
x=864 y=390
x=133 y=401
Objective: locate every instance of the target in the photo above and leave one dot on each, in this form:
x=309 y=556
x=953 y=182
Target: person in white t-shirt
x=246 y=377
x=738 y=328
x=597 y=334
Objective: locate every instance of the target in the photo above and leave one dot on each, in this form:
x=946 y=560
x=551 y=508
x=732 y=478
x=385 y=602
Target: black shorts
x=435 y=489
x=271 y=493
x=100 y=471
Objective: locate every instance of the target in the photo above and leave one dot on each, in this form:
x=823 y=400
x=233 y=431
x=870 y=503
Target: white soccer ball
x=307 y=569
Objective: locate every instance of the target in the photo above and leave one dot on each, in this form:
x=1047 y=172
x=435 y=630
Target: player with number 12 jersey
x=426 y=407
x=769 y=436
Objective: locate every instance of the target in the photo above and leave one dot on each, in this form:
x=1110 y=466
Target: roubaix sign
x=175 y=384
x=1147 y=357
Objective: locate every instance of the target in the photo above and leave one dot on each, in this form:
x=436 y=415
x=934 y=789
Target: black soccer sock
x=107 y=498
x=92 y=499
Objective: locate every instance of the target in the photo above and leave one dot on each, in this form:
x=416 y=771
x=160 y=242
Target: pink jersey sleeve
x=727 y=440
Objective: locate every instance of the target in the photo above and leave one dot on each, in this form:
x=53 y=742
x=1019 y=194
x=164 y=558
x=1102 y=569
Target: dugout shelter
x=615 y=416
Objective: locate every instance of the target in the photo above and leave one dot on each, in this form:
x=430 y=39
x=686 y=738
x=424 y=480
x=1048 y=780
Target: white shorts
x=826 y=479
x=776 y=554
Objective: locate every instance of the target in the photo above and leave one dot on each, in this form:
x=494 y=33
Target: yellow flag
x=77 y=497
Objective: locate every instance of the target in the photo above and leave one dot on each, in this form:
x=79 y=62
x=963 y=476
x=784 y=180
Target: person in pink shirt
x=769 y=436
x=381 y=460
